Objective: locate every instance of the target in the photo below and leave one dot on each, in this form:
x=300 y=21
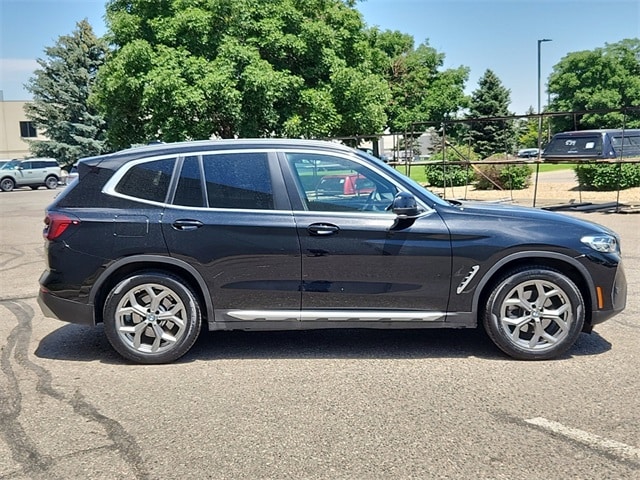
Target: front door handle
x=322 y=229
x=186 y=225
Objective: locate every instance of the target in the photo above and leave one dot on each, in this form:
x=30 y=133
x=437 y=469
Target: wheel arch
x=8 y=177
x=122 y=268
x=568 y=266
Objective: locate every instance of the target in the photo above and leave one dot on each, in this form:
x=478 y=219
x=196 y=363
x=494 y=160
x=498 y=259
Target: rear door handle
x=322 y=229
x=186 y=225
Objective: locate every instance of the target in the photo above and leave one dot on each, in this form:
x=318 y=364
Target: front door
x=357 y=264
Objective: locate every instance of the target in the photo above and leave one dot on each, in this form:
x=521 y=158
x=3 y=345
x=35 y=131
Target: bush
x=505 y=177
x=446 y=174
x=607 y=177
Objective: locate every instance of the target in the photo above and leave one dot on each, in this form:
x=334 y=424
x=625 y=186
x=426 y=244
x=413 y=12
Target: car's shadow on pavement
x=80 y=343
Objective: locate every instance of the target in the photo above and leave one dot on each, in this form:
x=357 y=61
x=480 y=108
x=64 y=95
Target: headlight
x=601 y=243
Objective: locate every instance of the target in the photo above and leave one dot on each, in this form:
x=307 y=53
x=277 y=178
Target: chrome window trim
x=110 y=187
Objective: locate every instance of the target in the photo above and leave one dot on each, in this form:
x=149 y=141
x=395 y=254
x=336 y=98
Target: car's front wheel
x=51 y=182
x=534 y=313
x=152 y=317
x=7 y=184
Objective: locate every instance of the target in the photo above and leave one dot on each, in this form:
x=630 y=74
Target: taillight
x=56 y=224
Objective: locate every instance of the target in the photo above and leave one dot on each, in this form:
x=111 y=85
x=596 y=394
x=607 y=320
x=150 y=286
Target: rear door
x=231 y=219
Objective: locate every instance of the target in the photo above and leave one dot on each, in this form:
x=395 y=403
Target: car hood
x=539 y=219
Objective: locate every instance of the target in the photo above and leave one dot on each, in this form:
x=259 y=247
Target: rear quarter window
x=147 y=180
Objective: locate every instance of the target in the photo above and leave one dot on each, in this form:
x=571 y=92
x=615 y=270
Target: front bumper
x=617 y=299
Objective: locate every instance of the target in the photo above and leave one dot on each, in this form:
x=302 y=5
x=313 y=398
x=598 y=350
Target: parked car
x=34 y=173
x=593 y=145
x=528 y=153
x=156 y=241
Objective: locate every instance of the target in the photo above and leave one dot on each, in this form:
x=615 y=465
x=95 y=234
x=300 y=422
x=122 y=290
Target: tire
x=51 y=182
x=146 y=307
x=34 y=187
x=7 y=184
x=534 y=313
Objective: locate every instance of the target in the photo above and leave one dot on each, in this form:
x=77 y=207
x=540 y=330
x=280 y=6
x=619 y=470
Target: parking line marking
x=611 y=446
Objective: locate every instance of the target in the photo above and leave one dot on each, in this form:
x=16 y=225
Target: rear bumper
x=65 y=310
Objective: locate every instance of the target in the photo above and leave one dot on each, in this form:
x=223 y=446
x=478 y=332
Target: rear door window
x=238 y=180
x=189 y=192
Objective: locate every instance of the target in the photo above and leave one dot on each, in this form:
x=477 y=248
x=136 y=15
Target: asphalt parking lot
x=312 y=405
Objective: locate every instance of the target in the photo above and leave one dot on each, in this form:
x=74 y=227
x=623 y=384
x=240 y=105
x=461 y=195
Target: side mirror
x=405 y=205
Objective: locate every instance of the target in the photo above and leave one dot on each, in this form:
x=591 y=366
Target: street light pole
x=535 y=187
x=539 y=95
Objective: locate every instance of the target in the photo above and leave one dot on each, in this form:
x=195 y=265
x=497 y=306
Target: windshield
x=11 y=165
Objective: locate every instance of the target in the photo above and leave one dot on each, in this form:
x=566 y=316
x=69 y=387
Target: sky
x=501 y=35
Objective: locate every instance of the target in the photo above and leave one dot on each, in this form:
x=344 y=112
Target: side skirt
x=326 y=319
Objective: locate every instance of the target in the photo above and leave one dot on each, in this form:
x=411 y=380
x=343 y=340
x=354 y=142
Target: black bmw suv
x=158 y=240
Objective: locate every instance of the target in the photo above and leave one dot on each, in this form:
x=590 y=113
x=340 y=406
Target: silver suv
x=34 y=173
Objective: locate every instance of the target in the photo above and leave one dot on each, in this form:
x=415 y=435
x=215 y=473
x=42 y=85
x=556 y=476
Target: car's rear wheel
x=7 y=184
x=152 y=317
x=534 y=313
x=51 y=182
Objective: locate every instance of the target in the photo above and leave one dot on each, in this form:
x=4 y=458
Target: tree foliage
x=420 y=90
x=491 y=99
x=192 y=69
x=61 y=88
x=604 y=78
x=527 y=131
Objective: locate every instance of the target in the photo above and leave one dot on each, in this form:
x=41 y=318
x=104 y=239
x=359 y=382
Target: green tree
x=491 y=99
x=61 y=88
x=192 y=69
x=604 y=78
x=421 y=91
x=527 y=131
